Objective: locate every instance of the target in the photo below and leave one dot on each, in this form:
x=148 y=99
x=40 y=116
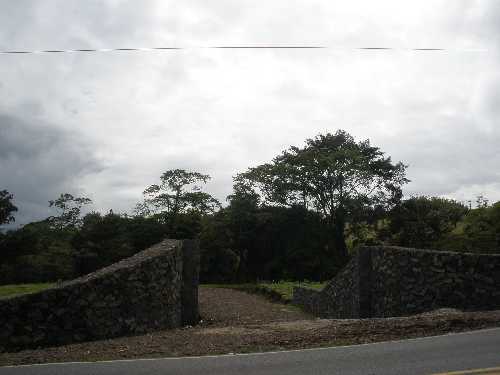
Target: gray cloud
x=39 y=161
x=109 y=124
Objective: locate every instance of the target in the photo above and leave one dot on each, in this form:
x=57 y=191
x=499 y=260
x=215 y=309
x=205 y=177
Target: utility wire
x=91 y=50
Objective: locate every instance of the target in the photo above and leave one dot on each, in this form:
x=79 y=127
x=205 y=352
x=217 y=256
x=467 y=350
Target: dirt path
x=236 y=322
x=228 y=307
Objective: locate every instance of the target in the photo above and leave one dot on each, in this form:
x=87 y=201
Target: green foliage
x=330 y=172
x=444 y=224
x=244 y=243
x=7 y=208
x=422 y=221
x=69 y=208
x=285 y=288
x=293 y=218
x=227 y=238
x=333 y=175
x=364 y=233
x=105 y=239
x=18 y=289
x=100 y=241
x=36 y=252
x=178 y=202
x=171 y=197
x=480 y=231
x=42 y=251
x=220 y=265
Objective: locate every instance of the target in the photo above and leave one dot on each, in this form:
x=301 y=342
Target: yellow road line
x=483 y=371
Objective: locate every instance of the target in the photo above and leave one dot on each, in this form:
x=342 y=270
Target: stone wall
x=395 y=281
x=341 y=299
x=409 y=281
x=154 y=289
x=307 y=298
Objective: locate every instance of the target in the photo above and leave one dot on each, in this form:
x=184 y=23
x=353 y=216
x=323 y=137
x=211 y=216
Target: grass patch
x=285 y=288
x=281 y=291
x=18 y=289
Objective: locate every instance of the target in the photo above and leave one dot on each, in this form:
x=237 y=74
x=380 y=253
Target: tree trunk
x=338 y=238
x=340 y=245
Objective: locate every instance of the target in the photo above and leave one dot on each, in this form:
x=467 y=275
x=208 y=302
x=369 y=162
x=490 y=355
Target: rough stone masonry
x=155 y=289
x=384 y=281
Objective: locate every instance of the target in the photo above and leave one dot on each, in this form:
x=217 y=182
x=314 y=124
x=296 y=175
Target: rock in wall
x=145 y=292
x=395 y=281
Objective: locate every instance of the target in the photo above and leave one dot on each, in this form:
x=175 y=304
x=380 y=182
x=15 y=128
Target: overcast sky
x=106 y=125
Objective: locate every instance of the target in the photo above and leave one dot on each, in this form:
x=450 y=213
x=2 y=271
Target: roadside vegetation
x=296 y=217
x=19 y=289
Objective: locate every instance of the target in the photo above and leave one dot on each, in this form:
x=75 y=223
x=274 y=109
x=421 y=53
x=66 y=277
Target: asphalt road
x=473 y=350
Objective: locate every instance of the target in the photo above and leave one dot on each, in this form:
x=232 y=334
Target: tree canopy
x=332 y=174
x=289 y=219
x=69 y=208
x=177 y=192
x=7 y=208
x=421 y=221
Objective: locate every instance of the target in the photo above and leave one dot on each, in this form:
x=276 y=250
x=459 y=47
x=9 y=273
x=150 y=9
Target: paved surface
x=473 y=350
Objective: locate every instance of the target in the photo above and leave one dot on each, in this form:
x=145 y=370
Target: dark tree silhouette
x=7 y=208
x=335 y=176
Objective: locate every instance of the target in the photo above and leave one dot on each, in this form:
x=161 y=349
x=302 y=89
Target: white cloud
x=221 y=111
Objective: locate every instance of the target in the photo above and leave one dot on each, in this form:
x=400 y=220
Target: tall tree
x=333 y=175
x=177 y=193
x=69 y=208
x=7 y=208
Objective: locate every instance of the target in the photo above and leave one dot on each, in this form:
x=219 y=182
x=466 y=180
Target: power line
x=86 y=50
x=93 y=50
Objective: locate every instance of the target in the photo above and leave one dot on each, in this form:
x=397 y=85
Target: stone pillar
x=190 y=280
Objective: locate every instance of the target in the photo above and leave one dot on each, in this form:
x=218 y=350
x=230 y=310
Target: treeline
x=296 y=217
